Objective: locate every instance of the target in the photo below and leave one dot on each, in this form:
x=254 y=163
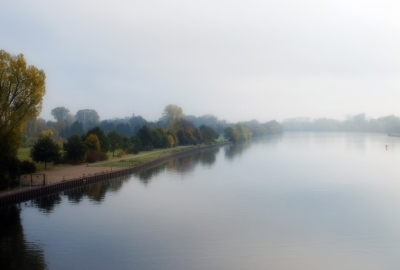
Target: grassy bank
x=143 y=158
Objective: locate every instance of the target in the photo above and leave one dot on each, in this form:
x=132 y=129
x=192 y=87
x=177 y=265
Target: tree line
x=95 y=143
x=355 y=123
x=82 y=137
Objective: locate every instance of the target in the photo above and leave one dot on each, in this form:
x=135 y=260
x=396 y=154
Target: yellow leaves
x=47 y=133
x=172 y=113
x=171 y=141
x=93 y=142
x=22 y=88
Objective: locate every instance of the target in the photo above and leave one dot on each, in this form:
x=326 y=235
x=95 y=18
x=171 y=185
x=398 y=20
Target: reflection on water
x=293 y=201
x=15 y=251
x=182 y=165
x=236 y=150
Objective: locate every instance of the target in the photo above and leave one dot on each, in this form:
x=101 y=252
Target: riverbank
x=94 y=173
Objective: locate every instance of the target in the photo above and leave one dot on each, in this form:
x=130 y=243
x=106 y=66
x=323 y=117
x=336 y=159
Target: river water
x=293 y=201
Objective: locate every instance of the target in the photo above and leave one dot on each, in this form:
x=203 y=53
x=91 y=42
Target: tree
x=145 y=136
x=76 y=129
x=172 y=113
x=45 y=150
x=88 y=118
x=93 y=142
x=104 y=144
x=208 y=134
x=115 y=141
x=231 y=134
x=136 y=141
x=22 y=88
x=60 y=113
x=124 y=129
x=75 y=149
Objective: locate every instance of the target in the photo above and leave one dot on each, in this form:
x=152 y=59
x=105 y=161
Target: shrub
x=93 y=156
x=148 y=147
x=27 y=167
x=132 y=150
x=121 y=153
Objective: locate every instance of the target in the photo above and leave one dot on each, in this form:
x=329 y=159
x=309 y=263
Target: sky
x=237 y=60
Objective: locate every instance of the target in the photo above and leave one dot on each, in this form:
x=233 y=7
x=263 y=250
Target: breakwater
x=31 y=193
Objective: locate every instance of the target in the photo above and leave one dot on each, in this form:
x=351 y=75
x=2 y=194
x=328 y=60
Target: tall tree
x=60 y=113
x=104 y=144
x=22 y=88
x=45 y=150
x=88 y=118
x=208 y=134
x=145 y=136
x=115 y=141
x=172 y=113
x=75 y=149
x=76 y=129
x=93 y=143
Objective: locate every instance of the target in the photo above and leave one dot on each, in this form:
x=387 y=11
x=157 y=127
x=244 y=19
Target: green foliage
x=27 y=167
x=136 y=142
x=76 y=129
x=145 y=136
x=60 y=113
x=126 y=143
x=160 y=136
x=9 y=169
x=245 y=133
x=89 y=118
x=115 y=141
x=186 y=137
x=132 y=150
x=104 y=143
x=232 y=134
x=75 y=149
x=45 y=150
x=208 y=134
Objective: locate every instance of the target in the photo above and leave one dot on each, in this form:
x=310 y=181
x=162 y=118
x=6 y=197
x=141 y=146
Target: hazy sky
x=238 y=60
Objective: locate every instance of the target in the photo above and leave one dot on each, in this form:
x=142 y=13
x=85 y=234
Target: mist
x=236 y=60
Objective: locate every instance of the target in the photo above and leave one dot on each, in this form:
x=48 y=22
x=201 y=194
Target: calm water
x=296 y=201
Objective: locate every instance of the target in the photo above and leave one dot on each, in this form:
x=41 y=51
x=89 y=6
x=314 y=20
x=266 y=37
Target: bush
x=27 y=167
x=133 y=150
x=94 y=156
x=121 y=153
x=148 y=147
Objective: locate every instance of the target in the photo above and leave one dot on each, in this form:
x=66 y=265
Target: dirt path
x=86 y=169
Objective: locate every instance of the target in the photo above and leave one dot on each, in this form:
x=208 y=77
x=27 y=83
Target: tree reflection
x=96 y=192
x=15 y=251
x=236 y=150
x=47 y=204
x=182 y=165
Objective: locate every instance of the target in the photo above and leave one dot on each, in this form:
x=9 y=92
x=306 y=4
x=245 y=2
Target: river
x=293 y=201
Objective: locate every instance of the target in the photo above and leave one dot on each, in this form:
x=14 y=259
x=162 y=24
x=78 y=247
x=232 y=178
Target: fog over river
x=293 y=201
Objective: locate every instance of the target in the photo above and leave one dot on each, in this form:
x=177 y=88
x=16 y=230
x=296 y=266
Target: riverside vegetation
x=81 y=138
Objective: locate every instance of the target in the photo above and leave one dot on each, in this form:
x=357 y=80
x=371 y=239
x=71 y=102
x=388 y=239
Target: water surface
x=295 y=201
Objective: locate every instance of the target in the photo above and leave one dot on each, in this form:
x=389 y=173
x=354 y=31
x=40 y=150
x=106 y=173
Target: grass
x=24 y=152
x=142 y=157
x=129 y=160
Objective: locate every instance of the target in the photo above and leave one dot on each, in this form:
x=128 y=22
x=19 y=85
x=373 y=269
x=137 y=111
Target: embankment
x=25 y=194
